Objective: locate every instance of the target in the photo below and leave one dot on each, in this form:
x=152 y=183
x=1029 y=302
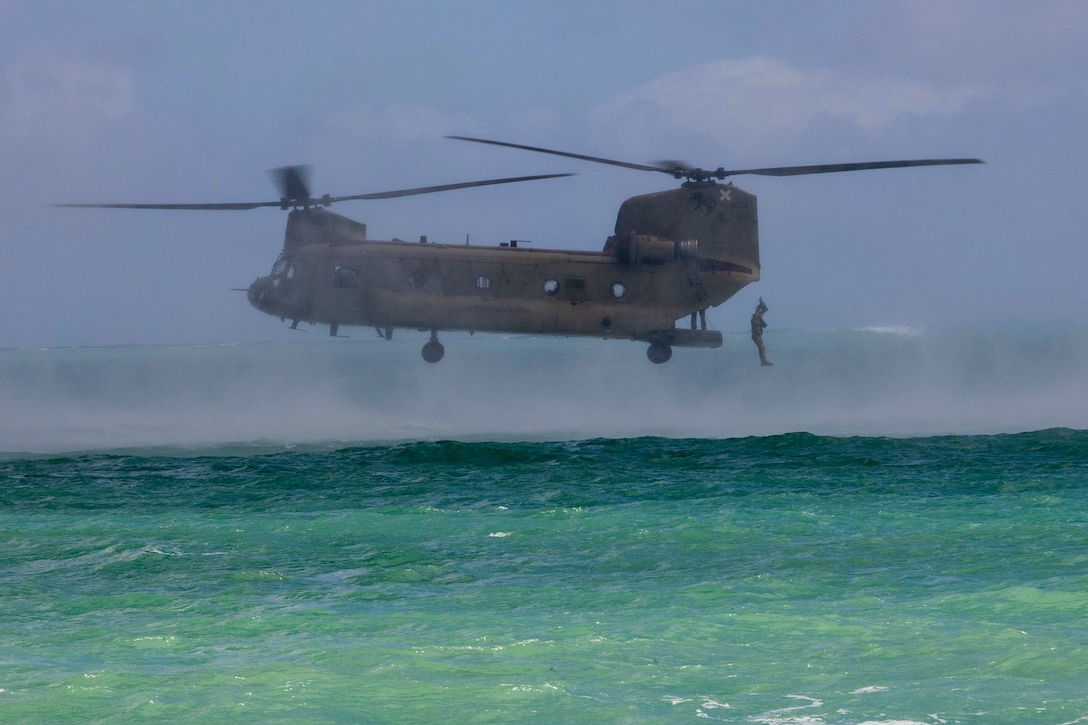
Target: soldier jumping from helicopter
x=757 y=331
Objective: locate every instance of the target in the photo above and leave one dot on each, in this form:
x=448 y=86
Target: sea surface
x=888 y=526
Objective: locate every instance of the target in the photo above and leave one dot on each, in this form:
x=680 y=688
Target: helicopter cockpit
x=284 y=268
x=271 y=294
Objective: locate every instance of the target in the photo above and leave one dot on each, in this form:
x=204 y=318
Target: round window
x=416 y=280
x=551 y=287
x=619 y=289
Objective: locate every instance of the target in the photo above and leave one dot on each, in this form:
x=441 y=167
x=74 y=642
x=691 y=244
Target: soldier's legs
x=758 y=340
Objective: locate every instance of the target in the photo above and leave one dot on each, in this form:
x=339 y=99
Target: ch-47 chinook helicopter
x=674 y=253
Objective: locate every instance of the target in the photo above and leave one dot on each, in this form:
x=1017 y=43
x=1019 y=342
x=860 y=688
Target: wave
x=262 y=398
x=491 y=452
x=457 y=474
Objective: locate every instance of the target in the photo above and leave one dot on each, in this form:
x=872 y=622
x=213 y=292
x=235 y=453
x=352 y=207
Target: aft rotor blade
x=834 y=168
x=679 y=170
x=443 y=187
x=567 y=154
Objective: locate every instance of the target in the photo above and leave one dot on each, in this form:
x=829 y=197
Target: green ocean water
x=333 y=534
x=789 y=578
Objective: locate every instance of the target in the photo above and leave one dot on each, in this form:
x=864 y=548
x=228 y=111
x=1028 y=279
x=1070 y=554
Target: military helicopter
x=673 y=254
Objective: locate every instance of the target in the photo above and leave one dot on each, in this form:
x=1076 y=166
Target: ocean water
x=889 y=526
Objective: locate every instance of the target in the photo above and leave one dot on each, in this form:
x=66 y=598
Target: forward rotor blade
x=323 y=201
x=443 y=187
x=567 y=154
x=198 y=207
x=834 y=168
x=292 y=181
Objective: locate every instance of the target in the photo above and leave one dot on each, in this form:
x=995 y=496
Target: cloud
x=44 y=86
x=761 y=99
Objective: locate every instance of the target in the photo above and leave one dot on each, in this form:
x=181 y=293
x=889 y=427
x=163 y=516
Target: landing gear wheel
x=433 y=351
x=659 y=352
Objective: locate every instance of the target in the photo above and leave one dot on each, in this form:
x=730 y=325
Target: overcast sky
x=195 y=101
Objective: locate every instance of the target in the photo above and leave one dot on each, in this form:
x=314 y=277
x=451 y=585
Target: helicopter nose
x=259 y=293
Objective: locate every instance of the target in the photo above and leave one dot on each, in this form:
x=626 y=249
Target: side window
x=345 y=277
x=619 y=290
x=483 y=283
x=551 y=287
x=416 y=280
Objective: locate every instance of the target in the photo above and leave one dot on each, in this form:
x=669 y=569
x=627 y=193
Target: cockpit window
x=281 y=265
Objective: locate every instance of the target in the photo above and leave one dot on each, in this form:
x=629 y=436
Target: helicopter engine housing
x=635 y=249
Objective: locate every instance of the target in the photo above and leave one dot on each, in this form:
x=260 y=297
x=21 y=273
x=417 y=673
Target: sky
x=194 y=101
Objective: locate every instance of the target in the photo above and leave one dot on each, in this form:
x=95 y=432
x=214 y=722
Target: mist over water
x=770 y=578
x=878 y=381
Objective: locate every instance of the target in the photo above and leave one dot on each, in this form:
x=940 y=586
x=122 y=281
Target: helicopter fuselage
x=656 y=271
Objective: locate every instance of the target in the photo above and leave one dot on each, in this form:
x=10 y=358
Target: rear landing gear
x=433 y=350
x=659 y=352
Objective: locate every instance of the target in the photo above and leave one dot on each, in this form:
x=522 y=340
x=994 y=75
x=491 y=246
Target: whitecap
x=904 y=330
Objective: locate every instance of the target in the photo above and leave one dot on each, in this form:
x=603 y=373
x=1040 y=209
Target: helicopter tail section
x=713 y=224
x=720 y=218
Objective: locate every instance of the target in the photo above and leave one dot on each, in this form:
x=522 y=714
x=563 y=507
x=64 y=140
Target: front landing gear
x=433 y=350
x=659 y=352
